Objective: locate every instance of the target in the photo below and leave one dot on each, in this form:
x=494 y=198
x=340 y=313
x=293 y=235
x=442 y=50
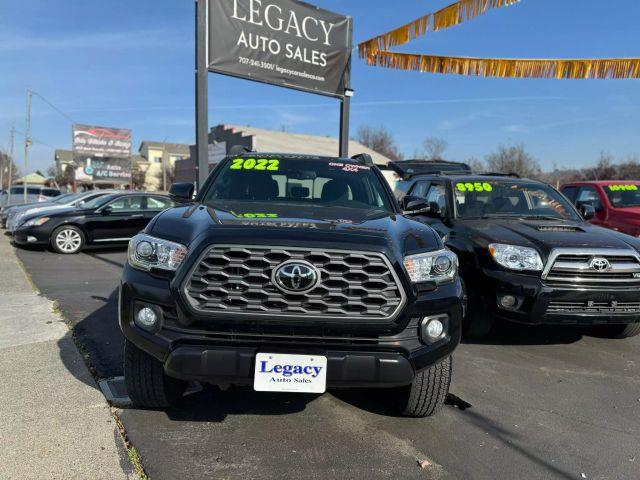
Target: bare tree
x=476 y=164
x=434 y=148
x=514 y=159
x=380 y=140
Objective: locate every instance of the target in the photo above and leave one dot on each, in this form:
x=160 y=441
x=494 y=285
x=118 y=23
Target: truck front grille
x=237 y=280
x=618 y=308
x=577 y=266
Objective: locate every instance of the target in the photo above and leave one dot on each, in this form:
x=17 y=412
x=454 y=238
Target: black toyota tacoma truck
x=527 y=255
x=290 y=273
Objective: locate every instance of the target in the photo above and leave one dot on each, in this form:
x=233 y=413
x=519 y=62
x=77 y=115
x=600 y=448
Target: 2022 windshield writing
x=260 y=164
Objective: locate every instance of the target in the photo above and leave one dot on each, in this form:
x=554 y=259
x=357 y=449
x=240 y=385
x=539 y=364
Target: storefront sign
x=101 y=141
x=285 y=42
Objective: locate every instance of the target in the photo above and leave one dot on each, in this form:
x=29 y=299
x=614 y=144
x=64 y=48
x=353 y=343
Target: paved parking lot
x=544 y=403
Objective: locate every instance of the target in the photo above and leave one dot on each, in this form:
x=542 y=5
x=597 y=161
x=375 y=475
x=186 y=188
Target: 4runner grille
x=594 y=307
x=593 y=267
x=234 y=279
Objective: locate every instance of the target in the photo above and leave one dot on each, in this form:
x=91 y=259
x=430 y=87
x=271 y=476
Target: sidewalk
x=54 y=422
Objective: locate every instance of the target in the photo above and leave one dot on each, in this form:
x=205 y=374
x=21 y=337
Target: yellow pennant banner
x=375 y=52
x=614 y=68
x=450 y=16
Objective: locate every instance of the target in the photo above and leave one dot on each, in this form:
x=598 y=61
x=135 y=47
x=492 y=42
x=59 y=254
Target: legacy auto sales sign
x=282 y=42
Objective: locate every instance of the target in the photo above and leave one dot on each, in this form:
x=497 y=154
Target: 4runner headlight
x=516 y=258
x=439 y=267
x=33 y=221
x=147 y=252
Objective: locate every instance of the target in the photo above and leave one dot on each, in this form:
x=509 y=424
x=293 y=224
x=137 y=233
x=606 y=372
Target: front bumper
x=35 y=235
x=216 y=353
x=558 y=304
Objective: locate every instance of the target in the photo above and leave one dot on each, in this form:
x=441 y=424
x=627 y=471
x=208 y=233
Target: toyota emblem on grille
x=295 y=277
x=600 y=264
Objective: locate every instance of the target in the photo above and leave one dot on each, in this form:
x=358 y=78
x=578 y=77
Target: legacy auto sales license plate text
x=277 y=372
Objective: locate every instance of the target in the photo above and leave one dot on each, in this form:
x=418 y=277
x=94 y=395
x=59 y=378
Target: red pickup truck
x=617 y=203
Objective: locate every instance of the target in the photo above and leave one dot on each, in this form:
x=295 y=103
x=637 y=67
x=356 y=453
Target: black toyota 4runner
x=293 y=274
x=527 y=255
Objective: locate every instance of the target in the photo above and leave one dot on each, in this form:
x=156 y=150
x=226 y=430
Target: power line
x=33 y=140
x=53 y=107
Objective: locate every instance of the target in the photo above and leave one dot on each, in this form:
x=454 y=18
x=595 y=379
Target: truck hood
x=545 y=235
x=284 y=224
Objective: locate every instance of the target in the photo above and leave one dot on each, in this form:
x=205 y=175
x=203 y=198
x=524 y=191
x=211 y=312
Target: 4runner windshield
x=623 y=196
x=299 y=181
x=483 y=198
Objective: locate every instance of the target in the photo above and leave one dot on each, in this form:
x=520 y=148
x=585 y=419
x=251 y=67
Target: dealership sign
x=283 y=42
x=101 y=141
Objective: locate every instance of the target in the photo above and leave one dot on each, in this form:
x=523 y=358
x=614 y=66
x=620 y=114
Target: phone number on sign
x=257 y=63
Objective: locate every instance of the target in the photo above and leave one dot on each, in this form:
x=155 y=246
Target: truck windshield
x=299 y=181
x=478 y=198
x=623 y=196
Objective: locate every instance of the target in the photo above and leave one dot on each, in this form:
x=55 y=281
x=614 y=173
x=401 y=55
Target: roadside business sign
x=112 y=170
x=282 y=42
x=101 y=141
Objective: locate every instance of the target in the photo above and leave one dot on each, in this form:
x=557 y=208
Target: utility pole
x=164 y=165
x=10 y=181
x=27 y=142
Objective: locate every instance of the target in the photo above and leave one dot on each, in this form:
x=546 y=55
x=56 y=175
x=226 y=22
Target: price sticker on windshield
x=474 y=187
x=623 y=188
x=260 y=164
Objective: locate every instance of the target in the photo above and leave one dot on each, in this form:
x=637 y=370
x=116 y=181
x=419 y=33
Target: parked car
x=35 y=194
x=617 y=203
x=290 y=273
x=107 y=219
x=527 y=255
x=17 y=215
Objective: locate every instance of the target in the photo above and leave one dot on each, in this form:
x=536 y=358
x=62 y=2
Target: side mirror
x=414 y=206
x=108 y=210
x=181 y=192
x=434 y=210
x=587 y=211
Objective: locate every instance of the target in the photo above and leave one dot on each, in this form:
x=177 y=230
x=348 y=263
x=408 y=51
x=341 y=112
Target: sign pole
x=345 y=108
x=345 y=101
x=202 y=101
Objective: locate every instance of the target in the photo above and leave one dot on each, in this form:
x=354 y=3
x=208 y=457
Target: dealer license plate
x=277 y=372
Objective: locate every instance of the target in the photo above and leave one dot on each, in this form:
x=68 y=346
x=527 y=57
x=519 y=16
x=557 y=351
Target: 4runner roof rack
x=495 y=174
x=363 y=158
x=409 y=168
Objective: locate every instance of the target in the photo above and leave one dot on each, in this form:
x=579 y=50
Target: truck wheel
x=476 y=323
x=147 y=384
x=623 y=331
x=67 y=239
x=428 y=391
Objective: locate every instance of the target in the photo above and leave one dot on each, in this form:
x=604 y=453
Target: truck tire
x=623 y=331
x=428 y=391
x=147 y=384
x=476 y=322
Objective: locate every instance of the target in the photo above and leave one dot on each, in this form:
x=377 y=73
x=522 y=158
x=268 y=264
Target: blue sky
x=129 y=64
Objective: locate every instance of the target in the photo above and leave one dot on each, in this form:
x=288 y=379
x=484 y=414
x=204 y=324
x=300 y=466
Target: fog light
x=146 y=318
x=433 y=329
x=508 y=301
x=31 y=239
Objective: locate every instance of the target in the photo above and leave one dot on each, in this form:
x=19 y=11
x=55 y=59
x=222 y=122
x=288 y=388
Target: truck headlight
x=516 y=258
x=439 y=267
x=33 y=222
x=147 y=252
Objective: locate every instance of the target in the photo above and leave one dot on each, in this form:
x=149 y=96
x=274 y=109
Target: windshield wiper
x=524 y=217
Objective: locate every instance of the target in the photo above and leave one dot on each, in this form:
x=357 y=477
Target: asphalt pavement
x=534 y=403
